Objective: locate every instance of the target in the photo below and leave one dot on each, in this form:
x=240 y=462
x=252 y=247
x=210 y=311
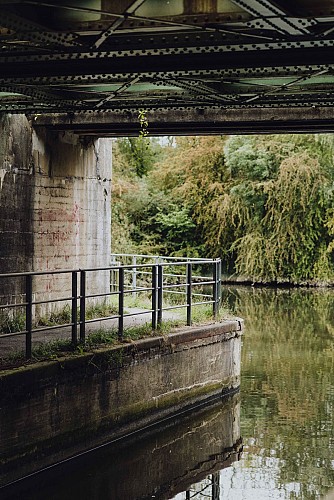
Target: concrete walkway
x=11 y=345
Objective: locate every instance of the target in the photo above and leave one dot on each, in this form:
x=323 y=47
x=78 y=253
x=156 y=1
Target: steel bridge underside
x=187 y=66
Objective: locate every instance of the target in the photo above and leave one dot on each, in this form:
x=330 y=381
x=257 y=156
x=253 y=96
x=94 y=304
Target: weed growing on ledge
x=56 y=349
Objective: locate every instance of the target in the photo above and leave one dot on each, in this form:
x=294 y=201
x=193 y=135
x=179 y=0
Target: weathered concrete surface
x=158 y=463
x=55 y=208
x=196 y=121
x=16 y=202
x=65 y=406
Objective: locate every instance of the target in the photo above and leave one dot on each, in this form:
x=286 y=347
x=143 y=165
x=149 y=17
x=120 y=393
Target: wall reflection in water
x=161 y=464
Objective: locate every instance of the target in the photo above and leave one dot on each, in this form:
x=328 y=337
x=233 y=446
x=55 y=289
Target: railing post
x=160 y=292
x=215 y=487
x=189 y=292
x=113 y=275
x=215 y=290
x=28 y=315
x=154 y=297
x=219 y=282
x=82 y=306
x=74 y=307
x=134 y=276
x=121 y=303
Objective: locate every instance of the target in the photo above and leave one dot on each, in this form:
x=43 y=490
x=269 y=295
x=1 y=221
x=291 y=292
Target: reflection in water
x=159 y=465
x=287 y=394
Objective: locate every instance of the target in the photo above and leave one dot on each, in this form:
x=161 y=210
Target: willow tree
x=291 y=241
x=263 y=203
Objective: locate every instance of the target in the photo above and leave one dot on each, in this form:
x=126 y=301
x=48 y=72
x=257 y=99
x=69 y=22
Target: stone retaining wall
x=53 y=410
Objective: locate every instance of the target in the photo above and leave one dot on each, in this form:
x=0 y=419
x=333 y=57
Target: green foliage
x=143 y=121
x=11 y=323
x=51 y=350
x=288 y=241
x=140 y=153
x=61 y=317
x=147 y=217
x=100 y=311
x=264 y=204
x=101 y=337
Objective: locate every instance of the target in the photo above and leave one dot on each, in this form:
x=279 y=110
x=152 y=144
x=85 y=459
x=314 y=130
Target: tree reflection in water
x=287 y=394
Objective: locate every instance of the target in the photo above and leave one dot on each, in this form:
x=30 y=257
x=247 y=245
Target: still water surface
x=287 y=395
x=286 y=420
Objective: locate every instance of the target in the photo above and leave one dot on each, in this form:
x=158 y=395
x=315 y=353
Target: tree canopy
x=264 y=204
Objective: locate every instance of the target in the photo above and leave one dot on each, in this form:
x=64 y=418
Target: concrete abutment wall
x=51 y=411
x=55 y=209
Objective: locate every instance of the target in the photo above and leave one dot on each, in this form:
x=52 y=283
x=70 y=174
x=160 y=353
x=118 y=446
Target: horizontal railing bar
x=178 y=285
x=204 y=302
x=38 y=273
x=38 y=302
x=127 y=290
x=193 y=294
x=138 y=290
x=95 y=295
x=174 y=307
x=51 y=327
x=123 y=266
x=106 y=268
x=95 y=320
x=7 y=306
x=147 y=311
x=201 y=295
x=190 y=259
x=104 y=318
x=185 y=305
x=209 y=282
x=165 y=286
x=169 y=275
x=138 y=273
x=140 y=266
x=92 y=296
x=195 y=283
x=13 y=334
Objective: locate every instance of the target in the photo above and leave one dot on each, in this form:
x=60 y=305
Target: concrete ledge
x=53 y=410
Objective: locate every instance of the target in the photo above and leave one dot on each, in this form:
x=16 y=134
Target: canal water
x=284 y=415
x=287 y=394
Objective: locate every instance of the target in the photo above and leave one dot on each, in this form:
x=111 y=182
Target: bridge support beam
x=55 y=209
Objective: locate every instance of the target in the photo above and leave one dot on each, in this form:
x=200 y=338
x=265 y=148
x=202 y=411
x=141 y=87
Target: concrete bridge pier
x=55 y=208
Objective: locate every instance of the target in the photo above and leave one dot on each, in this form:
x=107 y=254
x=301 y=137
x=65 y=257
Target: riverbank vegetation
x=264 y=204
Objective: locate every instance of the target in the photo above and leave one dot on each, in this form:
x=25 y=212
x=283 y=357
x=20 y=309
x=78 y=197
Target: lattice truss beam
x=100 y=55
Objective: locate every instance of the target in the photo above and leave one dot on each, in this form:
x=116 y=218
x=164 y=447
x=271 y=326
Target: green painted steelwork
x=128 y=55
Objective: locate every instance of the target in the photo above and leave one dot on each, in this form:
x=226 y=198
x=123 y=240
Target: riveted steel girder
x=129 y=55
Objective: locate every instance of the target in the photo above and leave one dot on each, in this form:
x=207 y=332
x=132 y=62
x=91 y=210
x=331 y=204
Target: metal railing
x=181 y=280
x=209 y=488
